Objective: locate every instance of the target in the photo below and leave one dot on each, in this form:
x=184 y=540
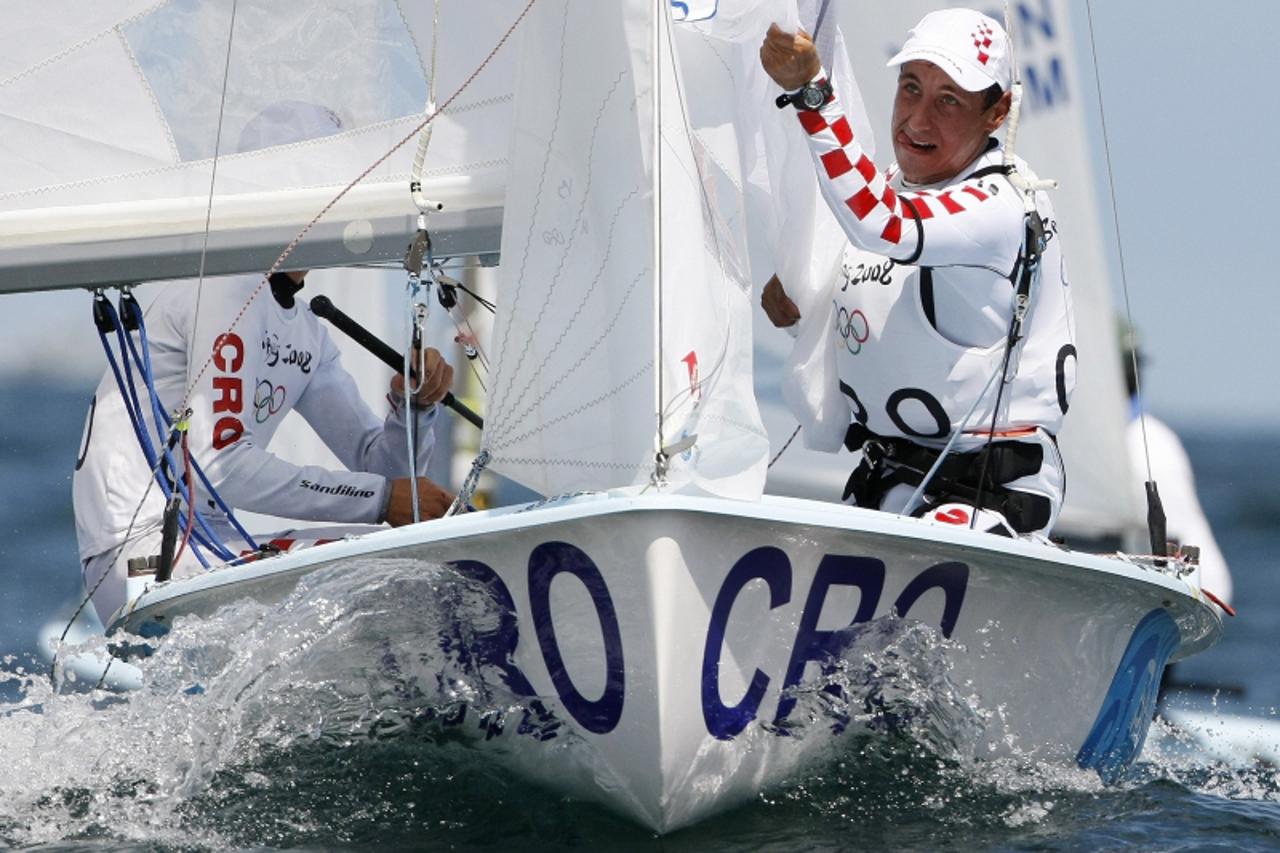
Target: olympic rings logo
x=853 y=328
x=267 y=400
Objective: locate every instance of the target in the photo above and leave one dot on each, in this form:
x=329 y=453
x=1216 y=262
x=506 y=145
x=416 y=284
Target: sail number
x=724 y=720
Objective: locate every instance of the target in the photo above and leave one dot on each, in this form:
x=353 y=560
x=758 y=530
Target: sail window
x=355 y=60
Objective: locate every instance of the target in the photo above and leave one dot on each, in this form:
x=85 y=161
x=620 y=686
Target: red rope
x=1218 y=601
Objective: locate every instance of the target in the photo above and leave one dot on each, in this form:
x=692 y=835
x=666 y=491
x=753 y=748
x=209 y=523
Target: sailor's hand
x=433 y=501
x=789 y=58
x=782 y=312
x=435 y=377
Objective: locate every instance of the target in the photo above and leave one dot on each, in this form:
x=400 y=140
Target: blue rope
x=132 y=406
x=205 y=536
x=162 y=416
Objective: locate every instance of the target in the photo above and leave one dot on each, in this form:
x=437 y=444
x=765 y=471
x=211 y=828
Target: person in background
x=241 y=356
x=940 y=252
x=1151 y=440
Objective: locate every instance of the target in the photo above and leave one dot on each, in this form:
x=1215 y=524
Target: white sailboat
x=673 y=623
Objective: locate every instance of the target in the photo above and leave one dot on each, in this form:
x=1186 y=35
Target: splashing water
x=892 y=675
x=257 y=715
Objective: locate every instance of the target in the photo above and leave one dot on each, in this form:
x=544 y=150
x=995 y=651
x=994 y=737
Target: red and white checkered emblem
x=982 y=41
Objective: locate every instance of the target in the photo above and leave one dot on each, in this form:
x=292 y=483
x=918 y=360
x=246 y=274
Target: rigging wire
x=213 y=179
x=1027 y=268
x=699 y=166
x=413 y=262
x=109 y=565
x=1157 y=521
x=1115 y=218
x=659 y=476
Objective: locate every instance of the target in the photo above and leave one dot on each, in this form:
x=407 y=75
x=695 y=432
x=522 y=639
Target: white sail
x=111 y=116
x=625 y=308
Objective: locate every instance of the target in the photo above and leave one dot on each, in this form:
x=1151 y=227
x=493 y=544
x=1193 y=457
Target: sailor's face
x=938 y=127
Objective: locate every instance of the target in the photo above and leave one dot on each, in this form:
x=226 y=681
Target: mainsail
x=111 y=115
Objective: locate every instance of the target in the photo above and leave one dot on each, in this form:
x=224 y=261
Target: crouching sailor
x=952 y=316
x=237 y=361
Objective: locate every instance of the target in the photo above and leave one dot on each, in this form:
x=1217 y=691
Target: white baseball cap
x=970 y=47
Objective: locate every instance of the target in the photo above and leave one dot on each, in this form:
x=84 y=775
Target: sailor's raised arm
x=961 y=224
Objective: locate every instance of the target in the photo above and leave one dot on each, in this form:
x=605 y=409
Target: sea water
x=299 y=725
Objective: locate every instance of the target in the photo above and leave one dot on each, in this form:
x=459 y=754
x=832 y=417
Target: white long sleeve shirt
x=925 y=300
x=247 y=362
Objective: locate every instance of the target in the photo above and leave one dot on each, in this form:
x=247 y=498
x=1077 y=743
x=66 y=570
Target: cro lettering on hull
x=725 y=710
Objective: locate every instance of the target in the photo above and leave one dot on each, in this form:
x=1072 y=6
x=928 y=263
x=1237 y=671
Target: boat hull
x=697 y=650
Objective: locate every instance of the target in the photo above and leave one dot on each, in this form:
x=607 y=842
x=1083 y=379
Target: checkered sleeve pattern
x=874 y=216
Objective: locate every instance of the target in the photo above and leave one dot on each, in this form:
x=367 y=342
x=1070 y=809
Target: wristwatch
x=811 y=96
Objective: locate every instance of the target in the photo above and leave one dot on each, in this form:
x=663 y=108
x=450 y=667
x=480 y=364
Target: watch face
x=813 y=97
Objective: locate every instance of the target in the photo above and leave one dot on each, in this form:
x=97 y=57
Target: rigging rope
x=1157 y=525
x=1115 y=218
x=213 y=178
x=778 y=456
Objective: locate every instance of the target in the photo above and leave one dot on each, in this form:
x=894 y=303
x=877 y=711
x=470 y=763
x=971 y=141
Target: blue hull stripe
x=1121 y=726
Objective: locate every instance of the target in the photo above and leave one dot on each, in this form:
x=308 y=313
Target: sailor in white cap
x=953 y=316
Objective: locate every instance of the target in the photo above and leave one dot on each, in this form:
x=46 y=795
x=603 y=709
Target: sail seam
x=413 y=39
x=194 y=165
x=572 y=463
x=582 y=360
x=501 y=389
x=81 y=45
x=557 y=276
x=612 y=392
x=151 y=95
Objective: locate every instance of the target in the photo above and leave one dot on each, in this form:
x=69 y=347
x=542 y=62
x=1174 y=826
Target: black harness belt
x=888 y=462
